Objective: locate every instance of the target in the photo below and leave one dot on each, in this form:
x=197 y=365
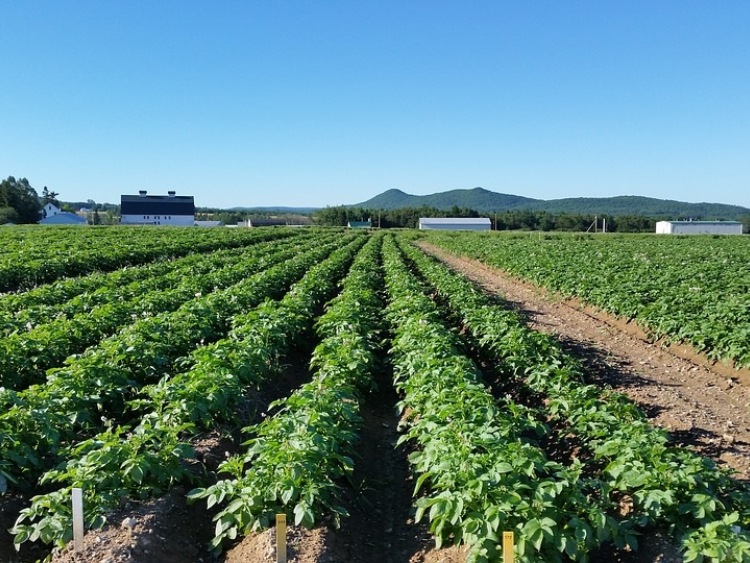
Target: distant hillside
x=477 y=198
x=486 y=201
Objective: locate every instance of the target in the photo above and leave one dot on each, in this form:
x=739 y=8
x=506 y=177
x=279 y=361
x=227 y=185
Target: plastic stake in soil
x=78 y=519
x=281 y=538
x=508 y=547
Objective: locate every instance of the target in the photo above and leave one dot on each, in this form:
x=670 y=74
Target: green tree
x=49 y=197
x=19 y=195
x=8 y=215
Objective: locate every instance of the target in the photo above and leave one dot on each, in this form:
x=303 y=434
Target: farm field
x=376 y=396
x=691 y=289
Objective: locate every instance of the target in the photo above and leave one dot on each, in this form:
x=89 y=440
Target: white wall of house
x=50 y=210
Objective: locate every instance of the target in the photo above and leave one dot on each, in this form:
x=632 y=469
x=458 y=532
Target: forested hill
x=478 y=199
x=485 y=201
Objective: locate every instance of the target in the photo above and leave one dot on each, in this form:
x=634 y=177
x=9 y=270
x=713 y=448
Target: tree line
x=408 y=217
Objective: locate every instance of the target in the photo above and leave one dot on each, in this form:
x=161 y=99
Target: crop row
x=38 y=259
x=36 y=422
x=702 y=507
x=27 y=306
x=298 y=460
x=478 y=466
x=26 y=355
x=687 y=289
x=149 y=454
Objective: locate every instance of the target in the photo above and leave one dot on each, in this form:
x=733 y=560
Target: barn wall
x=698 y=228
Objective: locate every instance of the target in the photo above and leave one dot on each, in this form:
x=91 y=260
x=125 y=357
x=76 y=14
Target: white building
x=455 y=223
x=699 y=227
x=50 y=210
x=170 y=209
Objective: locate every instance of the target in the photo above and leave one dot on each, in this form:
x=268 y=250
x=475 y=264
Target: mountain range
x=485 y=201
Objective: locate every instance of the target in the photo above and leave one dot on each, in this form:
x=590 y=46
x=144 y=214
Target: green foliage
x=121 y=463
x=38 y=338
x=478 y=468
x=32 y=257
x=104 y=377
x=669 y=487
x=19 y=196
x=680 y=289
x=297 y=461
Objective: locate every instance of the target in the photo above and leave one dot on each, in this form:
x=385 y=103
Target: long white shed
x=455 y=223
x=699 y=227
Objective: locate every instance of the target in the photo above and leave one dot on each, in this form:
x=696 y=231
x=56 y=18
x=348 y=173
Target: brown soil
x=703 y=407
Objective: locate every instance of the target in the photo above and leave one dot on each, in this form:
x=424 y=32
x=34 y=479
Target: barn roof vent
x=171 y=193
x=142 y=193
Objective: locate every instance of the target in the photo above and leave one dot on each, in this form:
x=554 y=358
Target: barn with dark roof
x=170 y=209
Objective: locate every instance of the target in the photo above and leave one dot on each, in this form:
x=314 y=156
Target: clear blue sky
x=323 y=103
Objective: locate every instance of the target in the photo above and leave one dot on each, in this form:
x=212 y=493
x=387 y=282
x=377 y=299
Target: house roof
x=455 y=220
x=157 y=205
x=63 y=218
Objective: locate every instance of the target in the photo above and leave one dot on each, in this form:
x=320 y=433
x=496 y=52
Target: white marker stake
x=78 y=519
x=281 y=538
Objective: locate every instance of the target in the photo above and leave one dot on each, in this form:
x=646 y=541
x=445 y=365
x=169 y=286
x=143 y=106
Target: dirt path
x=704 y=408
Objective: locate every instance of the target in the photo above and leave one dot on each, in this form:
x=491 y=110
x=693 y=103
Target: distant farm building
x=267 y=222
x=359 y=224
x=455 y=224
x=170 y=209
x=63 y=218
x=49 y=210
x=699 y=227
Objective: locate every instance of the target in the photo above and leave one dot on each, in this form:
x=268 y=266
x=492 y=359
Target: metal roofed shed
x=455 y=223
x=359 y=224
x=699 y=227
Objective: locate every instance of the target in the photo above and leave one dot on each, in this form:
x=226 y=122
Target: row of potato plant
x=706 y=511
x=478 y=466
x=298 y=460
x=25 y=356
x=66 y=297
x=71 y=252
x=20 y=312
x=692 y=289
x=149 y=454
x=35 y=423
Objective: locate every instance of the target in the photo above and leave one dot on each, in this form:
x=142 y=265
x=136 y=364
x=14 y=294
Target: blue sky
x=323 y=103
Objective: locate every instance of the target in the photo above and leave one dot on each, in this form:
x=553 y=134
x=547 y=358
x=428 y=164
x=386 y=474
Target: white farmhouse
x=699 y=227
x=170 y=209
x=50 y=210
x=455 y=223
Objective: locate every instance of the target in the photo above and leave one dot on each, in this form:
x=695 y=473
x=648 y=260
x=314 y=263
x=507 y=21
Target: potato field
x=237 y=370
